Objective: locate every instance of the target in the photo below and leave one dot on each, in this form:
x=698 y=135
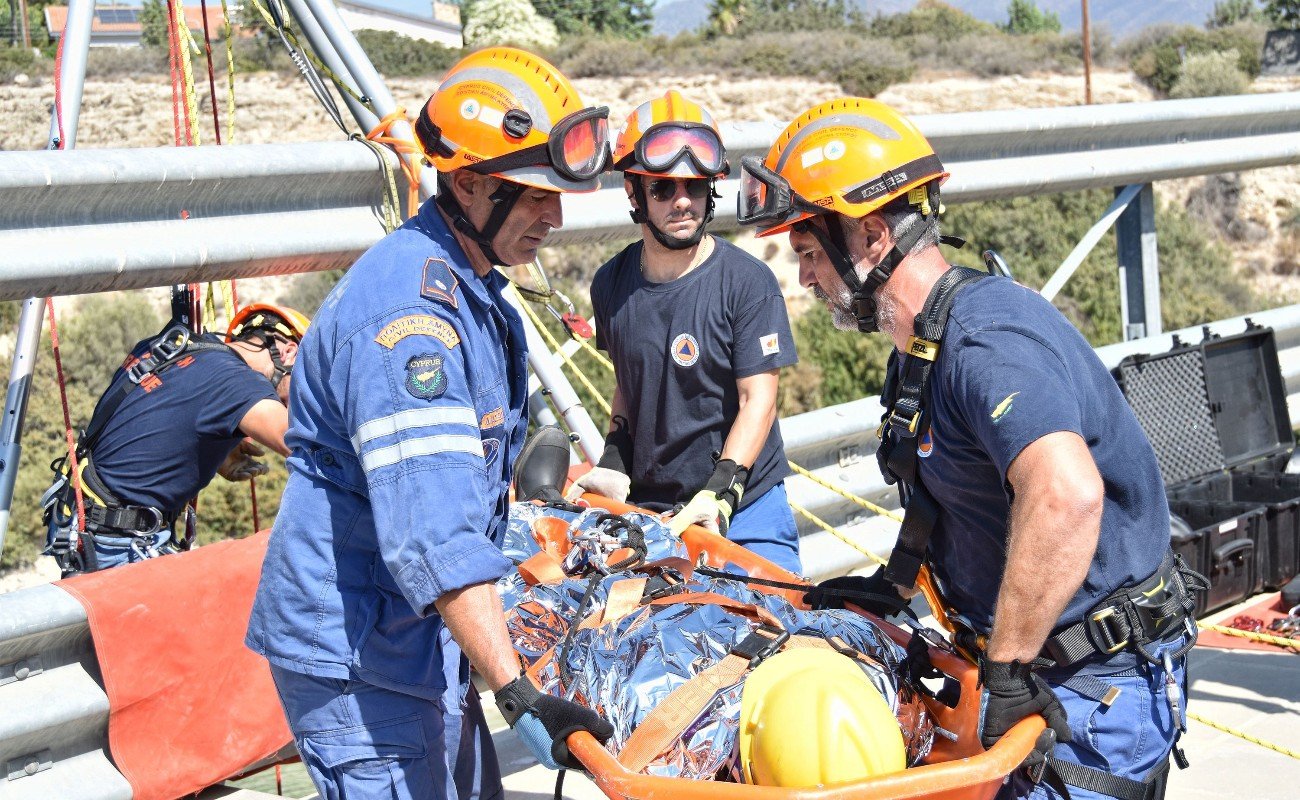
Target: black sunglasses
x=665 y=189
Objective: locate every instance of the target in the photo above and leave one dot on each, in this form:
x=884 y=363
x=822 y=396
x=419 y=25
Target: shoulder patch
x=440 y=283
x=425 y=377
x=418 y=325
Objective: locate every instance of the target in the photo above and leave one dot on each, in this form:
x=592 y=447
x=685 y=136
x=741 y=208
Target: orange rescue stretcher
x=956 y=769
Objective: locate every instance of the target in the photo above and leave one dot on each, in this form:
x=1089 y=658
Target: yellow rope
x=831 y=529
x=187 y=49
x=1241 y=735
x=229 y=33
x=555 y=346
x=596 y=354
x=1280 y=641
x=391 y=210
x=867 y=504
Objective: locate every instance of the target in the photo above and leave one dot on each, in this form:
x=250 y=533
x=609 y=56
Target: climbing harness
x=79 y=506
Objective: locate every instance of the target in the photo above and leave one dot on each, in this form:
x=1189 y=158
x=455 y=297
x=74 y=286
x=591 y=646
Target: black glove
x=1012 y=692
x=885 y=598
x=544 y=722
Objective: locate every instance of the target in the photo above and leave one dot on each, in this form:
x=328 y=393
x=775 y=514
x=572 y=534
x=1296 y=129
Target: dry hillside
x=1246 y=210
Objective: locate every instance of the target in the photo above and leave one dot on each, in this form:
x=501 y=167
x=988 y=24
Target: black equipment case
x=1216 y=414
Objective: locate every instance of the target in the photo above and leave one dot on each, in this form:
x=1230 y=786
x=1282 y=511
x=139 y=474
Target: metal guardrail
x=82 y=221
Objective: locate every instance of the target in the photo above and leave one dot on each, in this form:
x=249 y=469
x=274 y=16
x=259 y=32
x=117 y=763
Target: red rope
x=212 y=81
x=75 y=474
x=252 y=492
x=173 y=64
x=58 y=86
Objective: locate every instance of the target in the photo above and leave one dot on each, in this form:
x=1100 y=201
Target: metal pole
x=1139 y=266
x=72 y=76
x=1089 y=241
x=321 y=44
x=349 y=51
x=1087 y=57
x=547 y=370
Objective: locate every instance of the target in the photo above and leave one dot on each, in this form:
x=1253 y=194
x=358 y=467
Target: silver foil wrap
x=624 y=670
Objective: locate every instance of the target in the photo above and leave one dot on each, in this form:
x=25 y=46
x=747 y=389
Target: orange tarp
x=189 y=705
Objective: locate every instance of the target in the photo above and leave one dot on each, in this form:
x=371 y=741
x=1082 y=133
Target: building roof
x=126 y=20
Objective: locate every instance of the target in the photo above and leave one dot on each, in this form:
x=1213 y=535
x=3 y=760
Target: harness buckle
x=762 y=642
x=903 y=422
x=158 y=521
x=1101 y=623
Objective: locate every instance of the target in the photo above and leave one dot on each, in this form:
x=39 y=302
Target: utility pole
x=1087 y=57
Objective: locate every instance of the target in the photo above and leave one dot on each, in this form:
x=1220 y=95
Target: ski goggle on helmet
x=850 y=156
x=509 y=113
x=671 y=136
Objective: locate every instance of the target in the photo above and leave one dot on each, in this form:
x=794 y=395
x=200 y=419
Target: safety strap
x=1102 y=782
x=1134 y=616
x=905 y=417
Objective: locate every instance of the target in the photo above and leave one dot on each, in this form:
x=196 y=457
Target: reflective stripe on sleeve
x=413 y=418
x=424 y=446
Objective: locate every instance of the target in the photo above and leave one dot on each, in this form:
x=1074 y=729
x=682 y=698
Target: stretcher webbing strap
x=624 y=598
x=714 y=599
x=1102 y=782
x=666 y=723
x=541 y=568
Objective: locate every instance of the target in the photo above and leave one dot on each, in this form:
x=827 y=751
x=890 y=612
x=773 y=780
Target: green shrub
x=395 y=55
x=115 y=62
x=929 y=18
x=1210 y=75
x=1024 y=17
x=1159 y=57
x=864 y=79
x=600 y=56
x=15 y=61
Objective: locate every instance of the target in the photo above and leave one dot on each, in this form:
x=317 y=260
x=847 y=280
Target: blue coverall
x=406 y=417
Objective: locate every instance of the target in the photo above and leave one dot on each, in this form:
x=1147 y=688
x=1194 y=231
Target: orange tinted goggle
x=664 y=145
x=577 y=148
x=766 y=198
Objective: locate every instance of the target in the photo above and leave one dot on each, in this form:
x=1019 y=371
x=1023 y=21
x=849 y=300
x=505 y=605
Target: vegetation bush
x=1158 y=55
x=15 y=61
x=600 y=56
x=929 y=18
x=490 y=22
x=1210 y=75
x=395 y=55
x=125 y=62
x=1024 y=17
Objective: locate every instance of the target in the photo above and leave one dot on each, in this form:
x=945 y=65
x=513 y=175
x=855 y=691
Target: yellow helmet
x=506 y=112
x=849 y=156
x=813 y=718
x=671 y=136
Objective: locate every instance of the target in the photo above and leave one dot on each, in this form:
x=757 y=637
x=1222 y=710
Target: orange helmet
x=671 y=136
x=276 y=319
x=508 y=113
x=849 y=156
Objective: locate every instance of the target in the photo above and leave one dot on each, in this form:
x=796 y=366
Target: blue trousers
x=1130 y=738
x=362 y=742
x=766 y=526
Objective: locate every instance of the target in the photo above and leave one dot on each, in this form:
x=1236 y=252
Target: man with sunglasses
x=408 y=411
x=1031 y=493
x=697 y=331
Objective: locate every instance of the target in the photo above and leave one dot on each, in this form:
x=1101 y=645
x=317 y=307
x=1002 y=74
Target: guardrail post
x=1139 y=266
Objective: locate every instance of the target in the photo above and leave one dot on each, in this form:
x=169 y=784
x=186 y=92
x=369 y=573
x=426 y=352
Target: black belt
x=1132 y=617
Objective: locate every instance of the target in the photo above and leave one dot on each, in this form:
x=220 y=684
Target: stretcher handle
x=926 y=780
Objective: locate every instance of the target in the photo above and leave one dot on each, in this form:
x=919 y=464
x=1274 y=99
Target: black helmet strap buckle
x=503 y=198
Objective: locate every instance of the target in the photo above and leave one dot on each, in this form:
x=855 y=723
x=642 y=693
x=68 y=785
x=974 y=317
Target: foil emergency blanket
x=625 y=669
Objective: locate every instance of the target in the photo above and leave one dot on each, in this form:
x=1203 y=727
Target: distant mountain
x=1121 y=17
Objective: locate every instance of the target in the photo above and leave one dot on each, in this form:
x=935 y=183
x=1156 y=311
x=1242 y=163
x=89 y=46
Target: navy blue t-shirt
x=162 y=446
x=678 y=349
x=1011 y=370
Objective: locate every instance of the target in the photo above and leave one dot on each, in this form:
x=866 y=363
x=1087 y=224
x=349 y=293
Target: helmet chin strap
x=503 y=202
x=833 y=241
x=640 y=217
